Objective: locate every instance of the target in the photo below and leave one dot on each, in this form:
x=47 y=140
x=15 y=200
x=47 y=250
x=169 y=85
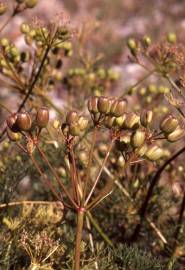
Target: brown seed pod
x=104 y=105
x=24 y=121
x=42 y=117
x=154 y=152
x=169 y=124
x=118 y=107
x=12 y=122
x=72 y=117
x=92 y=105
x=146 y=117
x=176 y=135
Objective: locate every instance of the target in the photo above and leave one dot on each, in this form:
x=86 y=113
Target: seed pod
x=154 y=152
x=102 y=149
x=142 y=150
x=56 y=124
x=5 y=42
x=31 y=3
x=171 y=38
x=25 y=28
x=42 y=117
x=24 y=121
x=11 y=122
x=146 y=117
x=132 y=121
x=124 y=142
x=120 y=161
x=104 y=105
x=169 y=124
x=137 y=138
x=120 y=120
x=74 y=129
x=131 y=43
x=3 y=8
x=12 y=135
x=83 y=123
x=118 y=107
x=72 y=117
x=176 y=135
x=92 y=104
x=147 y=41
x=109 y=121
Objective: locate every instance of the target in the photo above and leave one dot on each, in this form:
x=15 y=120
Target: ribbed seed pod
x=72 y=117
x=118 y=107
x=146 y=117
x=169 y=124
x=142 y=150
x=154 y=152
x=42 y=117
x=93 y=104
x=176 y=135
x=74 y=129
x=104 y=105
x=132 y=121
x=24 y=121
x=137 y=138
x=83 y=123
x=109 y=121
x=120 y=120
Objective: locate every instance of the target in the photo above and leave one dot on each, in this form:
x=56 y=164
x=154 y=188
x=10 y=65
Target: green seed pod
x=5 y=42
x=152 y=88
x=83 y=123
x=104 y=104
x=176 y=135
x=109 y=121
x=171 y=37
x=120 y=161
x=147 y=41
x=42 y=117
x=146 y=117
x=14 y=51
x=25 y=28
x=12 y=135
x=62 y=172
x=3 y=8
x=120 y=120
x=31 y=3
x=74 y=129
x=169 y=124
x=24 y=121
x=142 y=150
x=138 y=138
x=72 y=118
x=93 y=104
x=102 y=149
x=83 y=157
x=154 y=152
x=132 y=121
x=131 y=43
x=118 y=107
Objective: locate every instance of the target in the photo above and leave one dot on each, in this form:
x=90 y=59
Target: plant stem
x=99 y=229
x=90 y=162
x=31 y=87
x=139 y=82
x=100 y=172
x=80 y=222
x=56 y=176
